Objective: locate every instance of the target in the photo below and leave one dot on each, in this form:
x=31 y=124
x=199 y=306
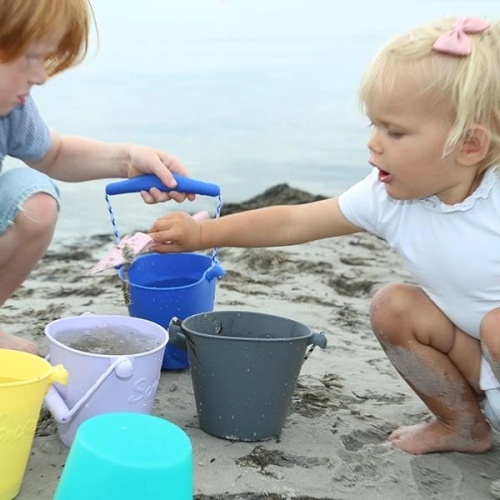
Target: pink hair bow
x=456 y=42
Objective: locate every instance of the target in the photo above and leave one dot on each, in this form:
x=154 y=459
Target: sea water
x=248 y=94
x=107 y=341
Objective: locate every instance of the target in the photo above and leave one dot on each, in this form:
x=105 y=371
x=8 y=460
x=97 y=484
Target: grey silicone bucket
x=244 y=369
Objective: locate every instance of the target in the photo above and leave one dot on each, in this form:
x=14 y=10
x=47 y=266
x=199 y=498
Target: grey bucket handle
x=177 y=339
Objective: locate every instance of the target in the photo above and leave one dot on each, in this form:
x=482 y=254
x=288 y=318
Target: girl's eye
x=394 y=134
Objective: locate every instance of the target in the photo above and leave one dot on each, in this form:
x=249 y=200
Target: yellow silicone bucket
x=24 y=381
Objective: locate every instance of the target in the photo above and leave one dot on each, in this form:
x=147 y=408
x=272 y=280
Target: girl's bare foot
x=435 y=436
x=8 y=341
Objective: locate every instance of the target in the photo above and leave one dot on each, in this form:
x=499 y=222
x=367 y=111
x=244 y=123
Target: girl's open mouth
x=383 y=176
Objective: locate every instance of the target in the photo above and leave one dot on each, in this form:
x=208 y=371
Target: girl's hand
x=176 y=232
x=145 y=160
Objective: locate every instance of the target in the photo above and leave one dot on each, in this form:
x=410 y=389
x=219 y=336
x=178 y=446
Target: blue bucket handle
x=184 y=185
x=148 y=181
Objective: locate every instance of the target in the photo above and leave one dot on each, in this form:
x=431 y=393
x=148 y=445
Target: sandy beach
x=347 y=400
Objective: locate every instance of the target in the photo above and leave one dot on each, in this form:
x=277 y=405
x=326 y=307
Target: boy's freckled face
x=19 y=75
x=408 y=144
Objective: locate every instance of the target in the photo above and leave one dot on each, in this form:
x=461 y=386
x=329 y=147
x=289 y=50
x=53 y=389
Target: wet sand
x=348 y=398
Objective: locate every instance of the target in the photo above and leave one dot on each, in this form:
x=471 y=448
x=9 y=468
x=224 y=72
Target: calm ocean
x=248 y=93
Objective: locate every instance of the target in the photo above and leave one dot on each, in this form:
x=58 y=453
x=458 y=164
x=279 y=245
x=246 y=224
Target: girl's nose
x=374 y=144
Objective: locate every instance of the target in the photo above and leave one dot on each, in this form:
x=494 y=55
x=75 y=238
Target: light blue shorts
x=16 y=186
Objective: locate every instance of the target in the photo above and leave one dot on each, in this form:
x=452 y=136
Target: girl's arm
x=265 y=227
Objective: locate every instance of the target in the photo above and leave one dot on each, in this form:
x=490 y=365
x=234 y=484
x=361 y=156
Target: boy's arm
x=73 y=159
x=265 y=227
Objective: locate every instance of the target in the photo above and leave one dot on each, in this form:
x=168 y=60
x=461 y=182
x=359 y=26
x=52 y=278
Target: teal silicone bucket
x=163 y=286
x=128 y=456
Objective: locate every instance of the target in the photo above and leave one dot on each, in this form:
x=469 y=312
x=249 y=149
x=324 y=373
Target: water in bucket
x=109 y=374
x=24 y=380
x=109 y=341
x=161 y=286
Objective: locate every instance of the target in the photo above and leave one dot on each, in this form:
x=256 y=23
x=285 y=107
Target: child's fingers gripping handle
x=148 y=181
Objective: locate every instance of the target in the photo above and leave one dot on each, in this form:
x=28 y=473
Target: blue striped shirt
x=23 y=133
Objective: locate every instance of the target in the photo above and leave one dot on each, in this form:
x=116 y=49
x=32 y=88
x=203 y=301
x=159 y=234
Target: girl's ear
x=474 y=146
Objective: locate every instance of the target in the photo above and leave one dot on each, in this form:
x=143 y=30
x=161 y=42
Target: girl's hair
x=465 y=89
x=23 y=22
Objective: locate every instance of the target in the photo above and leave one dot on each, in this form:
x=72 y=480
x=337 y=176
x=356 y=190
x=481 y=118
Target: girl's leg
x=490 y=340
x=29 y=213
x=440 y=363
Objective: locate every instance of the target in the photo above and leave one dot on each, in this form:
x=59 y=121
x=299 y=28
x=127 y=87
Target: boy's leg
x=440 y=363
x=28 y=214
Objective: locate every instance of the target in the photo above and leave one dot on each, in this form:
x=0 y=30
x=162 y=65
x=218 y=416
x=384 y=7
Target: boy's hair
x=23 y=22
x=465 y=89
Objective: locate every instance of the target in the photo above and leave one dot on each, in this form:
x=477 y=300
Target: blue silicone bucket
x=163 y=286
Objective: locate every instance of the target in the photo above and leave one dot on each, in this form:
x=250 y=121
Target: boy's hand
x=145 y=160
x=176 y=232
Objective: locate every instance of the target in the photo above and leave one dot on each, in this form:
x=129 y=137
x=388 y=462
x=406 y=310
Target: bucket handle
x=148 y=181
x=178 y=339
x=54 y=402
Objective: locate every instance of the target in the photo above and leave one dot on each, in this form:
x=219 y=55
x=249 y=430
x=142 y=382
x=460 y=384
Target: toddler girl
x=432 y=96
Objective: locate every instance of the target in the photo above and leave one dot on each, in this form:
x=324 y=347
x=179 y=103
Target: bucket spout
x=59 y=374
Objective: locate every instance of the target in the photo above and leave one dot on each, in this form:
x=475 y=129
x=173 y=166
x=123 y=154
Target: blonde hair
x=23 y=22
x=465 y=89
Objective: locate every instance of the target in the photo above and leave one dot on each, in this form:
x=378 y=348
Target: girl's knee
x=491 y=321
x=391 y=300
x=388 y=307
x=490 y=333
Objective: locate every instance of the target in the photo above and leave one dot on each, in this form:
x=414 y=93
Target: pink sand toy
x=100 y=383
x=133 y=244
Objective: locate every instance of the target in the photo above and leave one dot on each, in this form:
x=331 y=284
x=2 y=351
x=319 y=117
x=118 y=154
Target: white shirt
x=451 y=251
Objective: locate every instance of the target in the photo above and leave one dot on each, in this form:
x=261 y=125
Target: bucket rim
x=213 y=265
x=247 y=339
x=106 y=316
x=34 y=358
